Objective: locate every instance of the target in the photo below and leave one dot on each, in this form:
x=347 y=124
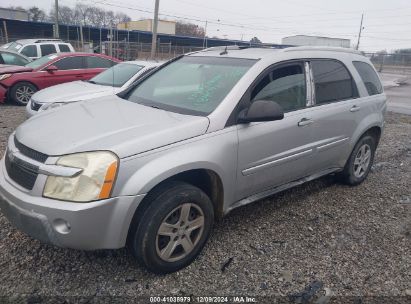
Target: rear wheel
x=21 y=92
x=361 y=159
x=173 y=229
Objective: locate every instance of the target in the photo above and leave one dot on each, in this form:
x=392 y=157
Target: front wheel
x=361 y=159
x=21 y=92
x=173 y=229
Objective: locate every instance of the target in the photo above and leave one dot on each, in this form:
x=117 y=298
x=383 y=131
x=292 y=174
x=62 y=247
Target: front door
x=69 y=69
x=274 y=153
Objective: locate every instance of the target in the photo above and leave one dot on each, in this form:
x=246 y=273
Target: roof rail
x=45 y=40
x=322 y=48
x=225 y=47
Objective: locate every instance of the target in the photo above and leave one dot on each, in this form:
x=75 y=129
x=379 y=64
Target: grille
x=21 y=172
x=35 y=106
x=26 y=151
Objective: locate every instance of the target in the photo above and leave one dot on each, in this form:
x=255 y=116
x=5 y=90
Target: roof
x=259 y=53
x=39 y=40
x=322 y=37
x=75 y=54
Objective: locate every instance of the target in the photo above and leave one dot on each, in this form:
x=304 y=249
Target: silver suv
x=154 y=166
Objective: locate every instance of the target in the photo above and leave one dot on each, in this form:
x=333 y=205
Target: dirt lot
x=353 y=242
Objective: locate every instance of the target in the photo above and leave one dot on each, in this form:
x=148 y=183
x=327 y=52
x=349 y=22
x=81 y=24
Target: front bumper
x=87 y=226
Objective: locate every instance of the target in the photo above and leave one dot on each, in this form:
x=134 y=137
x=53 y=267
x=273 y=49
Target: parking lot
x=350 y=241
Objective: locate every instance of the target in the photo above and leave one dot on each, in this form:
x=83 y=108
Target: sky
x=386 y=25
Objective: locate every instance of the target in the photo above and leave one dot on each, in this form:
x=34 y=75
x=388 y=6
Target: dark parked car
x=18 y=83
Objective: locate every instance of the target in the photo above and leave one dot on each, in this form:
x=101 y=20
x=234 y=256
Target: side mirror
x=261 y=110
x=51 y=68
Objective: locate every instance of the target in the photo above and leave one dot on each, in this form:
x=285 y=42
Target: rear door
x=274 y=153
x=336 y=112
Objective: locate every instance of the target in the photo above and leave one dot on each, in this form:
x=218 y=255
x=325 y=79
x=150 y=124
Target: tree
x=255 y=40
x=36 y=14
x=189 y=29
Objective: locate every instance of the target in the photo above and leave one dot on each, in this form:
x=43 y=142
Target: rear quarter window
x=369 y=77
x=64 y=48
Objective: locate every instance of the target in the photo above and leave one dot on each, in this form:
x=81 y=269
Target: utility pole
x=154 y=30
x=205 y=35
x=359 y=34
x=56 y=21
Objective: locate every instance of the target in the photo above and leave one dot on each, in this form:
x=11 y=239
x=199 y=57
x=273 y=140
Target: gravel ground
x=350 y=242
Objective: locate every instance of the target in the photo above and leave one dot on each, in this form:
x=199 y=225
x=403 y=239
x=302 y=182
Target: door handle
x=305 y=122
x=355 y=108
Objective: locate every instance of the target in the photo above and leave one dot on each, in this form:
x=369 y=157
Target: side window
x=284 y=85
x=29 y=51
x=13 y=59
x=70 y=63
x=64 y=48
x=94 y=62
x=332 y=81
x=47 y=49
x=369 y=77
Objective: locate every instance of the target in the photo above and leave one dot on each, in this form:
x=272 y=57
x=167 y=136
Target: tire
x=177 y=208
x=359 y=164
x=21 y=92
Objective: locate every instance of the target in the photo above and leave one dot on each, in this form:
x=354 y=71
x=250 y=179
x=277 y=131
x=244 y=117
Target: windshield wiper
x=91 y=81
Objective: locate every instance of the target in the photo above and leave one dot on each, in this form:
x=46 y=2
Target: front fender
x=216 y=151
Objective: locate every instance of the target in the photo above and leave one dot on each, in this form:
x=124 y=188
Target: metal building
x=14 y=14
x=164 y=26
x=304 y=40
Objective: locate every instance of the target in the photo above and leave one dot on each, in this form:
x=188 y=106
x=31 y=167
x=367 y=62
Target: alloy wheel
x=24 y=93
x=180 y=232
x=362 y=160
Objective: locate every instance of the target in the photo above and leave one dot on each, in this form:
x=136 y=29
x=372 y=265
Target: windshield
x=191 y=85
x=117 y=75
x=41 y=61
x=14 y=46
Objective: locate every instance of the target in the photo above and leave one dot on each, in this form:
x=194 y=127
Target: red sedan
x=18 y=83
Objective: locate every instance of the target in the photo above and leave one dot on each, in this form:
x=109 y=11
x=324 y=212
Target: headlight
x=49 y=106
x=4 y=76
x=95 y=182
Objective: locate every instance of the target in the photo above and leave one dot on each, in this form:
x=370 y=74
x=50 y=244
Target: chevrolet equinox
x=153 y=167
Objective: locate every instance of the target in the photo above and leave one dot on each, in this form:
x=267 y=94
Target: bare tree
x=255 y=40
x=36 y=14
x=189 y=29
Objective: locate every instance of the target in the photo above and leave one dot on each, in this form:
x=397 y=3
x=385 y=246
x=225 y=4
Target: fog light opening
x=61 y=226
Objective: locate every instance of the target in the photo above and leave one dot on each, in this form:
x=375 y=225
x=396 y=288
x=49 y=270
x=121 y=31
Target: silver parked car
x=207 y=132
x=110 y=82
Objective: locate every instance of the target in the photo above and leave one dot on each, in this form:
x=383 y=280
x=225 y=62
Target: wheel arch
x=207 y=180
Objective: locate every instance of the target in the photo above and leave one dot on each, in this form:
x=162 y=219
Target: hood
x=9 y=69
x=73 y=91
x=108 y=123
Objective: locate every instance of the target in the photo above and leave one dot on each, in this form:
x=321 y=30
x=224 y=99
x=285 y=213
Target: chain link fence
x=397 y=63
x=131 y=51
